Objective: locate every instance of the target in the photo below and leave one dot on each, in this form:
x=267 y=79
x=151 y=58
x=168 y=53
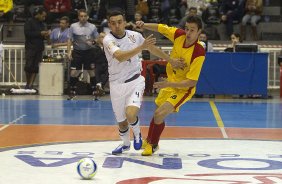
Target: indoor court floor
x=210 y=141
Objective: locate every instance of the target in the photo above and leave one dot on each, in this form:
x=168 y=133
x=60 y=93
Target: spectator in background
x=93 y=12
x=200 y=5
x=106 y=5
x=59 y=36
x=76 y=5
x=210 y=14
x=6 y=7
x=235 y=38
x=204 y=38
x=209 y=48
x=192 y=11
x=230 y=10
x=182 y=7
x=101 y=66
x=56 y=9
x=35 y=34
x=253 y=13
x=132 y=26
x=165 y=8
x=29 y=5
x=82 y=36
x=130 y=10
x=143 y=8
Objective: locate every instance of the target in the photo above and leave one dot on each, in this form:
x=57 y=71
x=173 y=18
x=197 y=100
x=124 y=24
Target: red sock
x=156 y=133
x=152 y=124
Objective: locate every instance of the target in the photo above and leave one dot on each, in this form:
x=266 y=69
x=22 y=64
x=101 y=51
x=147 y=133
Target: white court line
x=3 y=127
x=12 y=122
x=224 y=134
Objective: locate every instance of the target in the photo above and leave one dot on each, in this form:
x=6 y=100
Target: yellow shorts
x=176 y=97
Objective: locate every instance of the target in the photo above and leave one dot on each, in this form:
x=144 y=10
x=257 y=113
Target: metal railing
x=13 y=64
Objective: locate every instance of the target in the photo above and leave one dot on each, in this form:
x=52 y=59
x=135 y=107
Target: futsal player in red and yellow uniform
x=181 y=83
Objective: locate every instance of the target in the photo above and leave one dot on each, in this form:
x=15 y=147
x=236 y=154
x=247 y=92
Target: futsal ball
x=86 y=168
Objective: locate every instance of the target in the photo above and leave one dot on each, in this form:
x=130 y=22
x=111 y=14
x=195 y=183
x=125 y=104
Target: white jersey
x=121 y=71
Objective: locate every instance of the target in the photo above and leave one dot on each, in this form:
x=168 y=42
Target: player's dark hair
x=195 y=19
x=115 y=12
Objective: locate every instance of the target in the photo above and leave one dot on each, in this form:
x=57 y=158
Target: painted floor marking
x=12 y=122
x=218 y=119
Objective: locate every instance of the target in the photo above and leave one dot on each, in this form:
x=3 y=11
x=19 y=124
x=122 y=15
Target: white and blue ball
x=86 y=168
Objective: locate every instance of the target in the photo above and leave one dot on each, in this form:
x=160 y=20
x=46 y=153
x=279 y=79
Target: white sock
x=136 y=128
x=125 y=136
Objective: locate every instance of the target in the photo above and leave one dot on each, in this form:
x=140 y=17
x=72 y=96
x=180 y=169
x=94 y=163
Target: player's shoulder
x=135 y=33
x=199 y=49
x=178 y=33
x=108 y=38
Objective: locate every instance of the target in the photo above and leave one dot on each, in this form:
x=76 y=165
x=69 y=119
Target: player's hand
x=139 y=24
x=149 y=41
x=178 y=63
x=160 y=85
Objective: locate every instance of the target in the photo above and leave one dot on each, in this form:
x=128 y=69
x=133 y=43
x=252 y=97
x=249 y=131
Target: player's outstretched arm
x=122 y=55
x=175 y=63
x=148 y=26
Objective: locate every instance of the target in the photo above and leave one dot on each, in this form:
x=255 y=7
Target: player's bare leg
x=133 y=120
x=124 y=133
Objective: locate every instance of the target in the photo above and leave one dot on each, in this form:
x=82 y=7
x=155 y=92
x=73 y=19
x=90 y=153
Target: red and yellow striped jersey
x=193 y=55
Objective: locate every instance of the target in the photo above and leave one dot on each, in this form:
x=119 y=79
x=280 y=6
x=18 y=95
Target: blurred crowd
x=171 y=12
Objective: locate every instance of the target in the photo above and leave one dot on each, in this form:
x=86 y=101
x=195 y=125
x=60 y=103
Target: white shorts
x=126 y=94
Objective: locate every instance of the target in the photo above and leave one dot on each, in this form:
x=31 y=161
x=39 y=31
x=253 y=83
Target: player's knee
x=159 y=115
x=123 y=125
x=131 y=117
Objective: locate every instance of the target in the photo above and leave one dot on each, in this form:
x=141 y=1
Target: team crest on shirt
x=111 y=45
x=132 y=38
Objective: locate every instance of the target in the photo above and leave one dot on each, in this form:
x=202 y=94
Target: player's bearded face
x=117 y=25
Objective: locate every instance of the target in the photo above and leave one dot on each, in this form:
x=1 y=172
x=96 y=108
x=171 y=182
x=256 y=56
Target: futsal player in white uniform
x=126 y=83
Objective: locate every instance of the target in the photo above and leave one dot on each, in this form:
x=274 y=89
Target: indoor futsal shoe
x=149 y=150
x=137 y=142
x=120 y=149
x=144 y=144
